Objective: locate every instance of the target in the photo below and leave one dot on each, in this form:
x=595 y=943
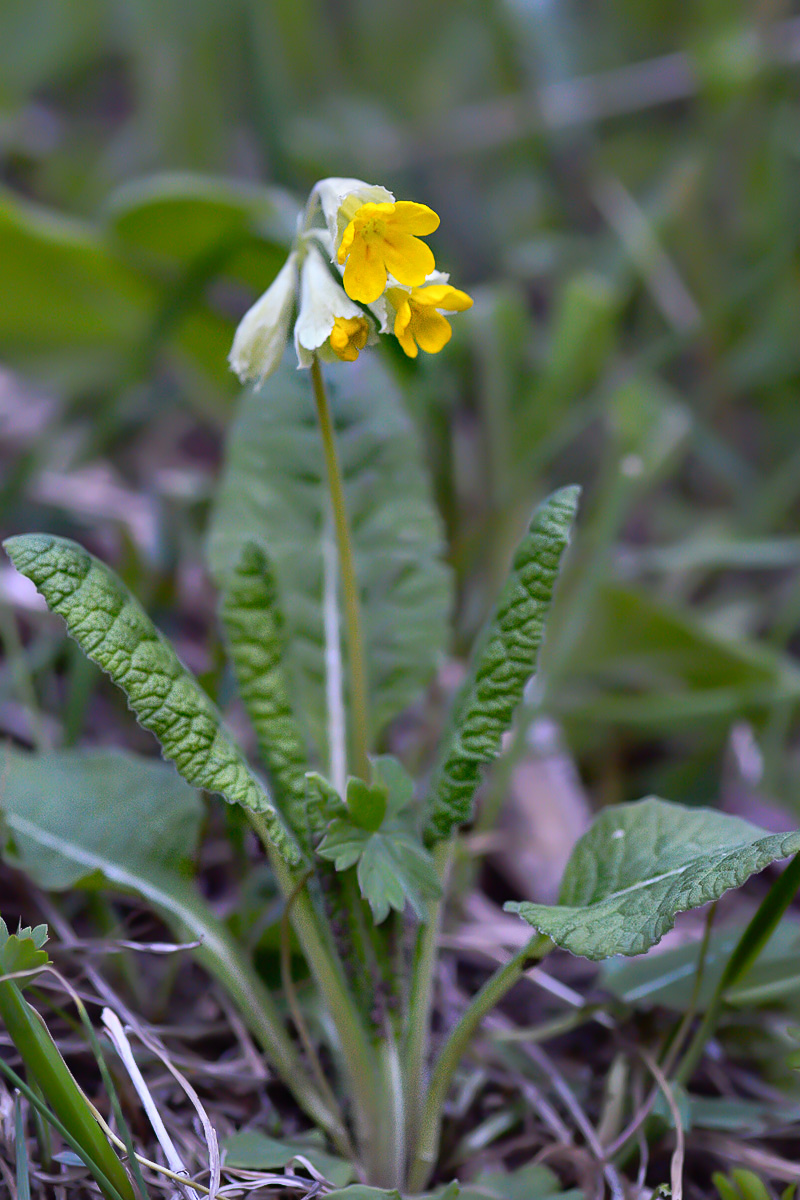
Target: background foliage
x=619 y=191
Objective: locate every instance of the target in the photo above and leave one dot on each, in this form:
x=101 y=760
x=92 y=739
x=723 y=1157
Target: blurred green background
x=618 y=187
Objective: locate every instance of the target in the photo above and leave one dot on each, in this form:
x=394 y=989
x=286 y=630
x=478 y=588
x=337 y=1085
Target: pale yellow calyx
x=348 y=336
x=263 y=331
x=330 y=325
x=419 y=315
x=340 y=200
x=382 y=240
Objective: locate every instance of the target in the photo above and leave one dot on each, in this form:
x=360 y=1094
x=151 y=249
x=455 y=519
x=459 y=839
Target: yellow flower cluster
x=375 y=246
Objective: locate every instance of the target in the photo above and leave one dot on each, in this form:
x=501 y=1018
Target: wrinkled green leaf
x=250 y=1150
x=323 y=802
x=641 y=864
x=254 y=634
x=273 y=493
x=502 y=664
x=113 y=629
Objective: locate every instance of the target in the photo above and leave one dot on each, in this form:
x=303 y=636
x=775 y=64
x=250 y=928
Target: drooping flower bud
x=263 y=331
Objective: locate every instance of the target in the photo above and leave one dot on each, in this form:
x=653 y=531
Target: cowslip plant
x=334 y=598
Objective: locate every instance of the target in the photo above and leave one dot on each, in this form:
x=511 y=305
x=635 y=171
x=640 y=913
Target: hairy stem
x=388 y=1152
x=325 y=965
x=417 y=1042
x=488 y=997
x=352 y=603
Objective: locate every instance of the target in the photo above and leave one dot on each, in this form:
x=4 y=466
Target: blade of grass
x=103 y=1182
x=21 y=1152
x=108 y=1083
x=745 y=953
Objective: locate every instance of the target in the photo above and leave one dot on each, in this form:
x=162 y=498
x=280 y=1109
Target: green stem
x=387 y=1167
x=454 y=1049
x=745 y=953
x=352 y=603
x=323 y=960
x=418 y=1025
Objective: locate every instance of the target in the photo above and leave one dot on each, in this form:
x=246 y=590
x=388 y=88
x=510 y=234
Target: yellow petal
x=407 y=342
x=365 y=273
x=348 y=336
x=409 y=217
x=431 y=330
x=441 y=295
x=346 y=242
x=403 y=315
x=407 y=258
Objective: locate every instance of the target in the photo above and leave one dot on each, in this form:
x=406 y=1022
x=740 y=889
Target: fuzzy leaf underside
x=115 y=632
x=274 y=493
x=253 y=626
x=502 y=665
x=641 y=864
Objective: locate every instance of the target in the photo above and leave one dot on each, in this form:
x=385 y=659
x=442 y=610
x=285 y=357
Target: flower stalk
x=352 y=601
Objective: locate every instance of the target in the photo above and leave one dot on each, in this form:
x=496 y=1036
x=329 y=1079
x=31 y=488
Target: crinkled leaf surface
x=503 y=663
x=642 y=863
x=273 y=493
x=254 y=629
x=113 y=629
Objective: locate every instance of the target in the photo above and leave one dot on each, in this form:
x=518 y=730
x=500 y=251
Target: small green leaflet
x=641 y=864
x=113 y=629
x=379 y=838
x=22 y=951
x=501 y=666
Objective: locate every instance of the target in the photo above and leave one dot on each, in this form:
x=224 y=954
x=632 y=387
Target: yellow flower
x=381 y=240
x=348 y=336
x=418 y=319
